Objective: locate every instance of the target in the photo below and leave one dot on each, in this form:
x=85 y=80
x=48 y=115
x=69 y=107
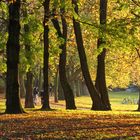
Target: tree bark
x=101 y=81
x=60 y=91
x=40 y=79
x=13 y=104
x=29 y=76
x=56 y=86
x=68 y=93
x=100 y=77
x=46 y=105
x=95 y=96
x=29 y=90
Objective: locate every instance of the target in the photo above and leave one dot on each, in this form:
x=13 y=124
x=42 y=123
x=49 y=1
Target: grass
x=116 y=99
x=122 y=123
x=84 y=102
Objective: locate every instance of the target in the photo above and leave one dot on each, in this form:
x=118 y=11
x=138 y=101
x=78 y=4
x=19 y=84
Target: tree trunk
x=56 y=86
x=101 y=81
x=100 y=78
x=46 y=105
x=60 y=91
x=29 y=83
x=21 y=85
x=13 y=104
x=68 y=93
x=29 y=90
x=40 y=79
x=95 y=96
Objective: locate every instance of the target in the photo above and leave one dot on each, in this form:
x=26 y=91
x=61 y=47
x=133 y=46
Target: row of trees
x=62 y=17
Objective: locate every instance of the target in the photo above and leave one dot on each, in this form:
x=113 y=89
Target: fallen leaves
x=69 y=125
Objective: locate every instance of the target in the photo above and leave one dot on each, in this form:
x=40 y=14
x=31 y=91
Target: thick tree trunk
x=95 y=96
x=60 y=91
x=13 y=105
x=46 y=105
x=29 y=83
x=29 y=90
x=100 y=78
x=68 y=93
x=101 y=81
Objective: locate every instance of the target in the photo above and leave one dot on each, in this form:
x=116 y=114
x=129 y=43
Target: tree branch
x=135 y=14
x=136 y=3
x=137 y=50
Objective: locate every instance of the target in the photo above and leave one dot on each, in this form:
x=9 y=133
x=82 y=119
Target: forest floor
x=122 y=123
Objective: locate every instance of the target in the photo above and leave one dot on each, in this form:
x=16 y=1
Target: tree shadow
x=2 y=113
x=40 y=109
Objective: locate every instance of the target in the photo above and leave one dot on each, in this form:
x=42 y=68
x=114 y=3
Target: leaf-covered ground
x=61 y=124
x=123 y=123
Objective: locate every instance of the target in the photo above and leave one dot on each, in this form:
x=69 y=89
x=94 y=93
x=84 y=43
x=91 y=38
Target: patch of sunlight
x=84 y=103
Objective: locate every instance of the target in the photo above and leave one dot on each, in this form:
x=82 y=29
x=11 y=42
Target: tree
x=29 y=75
x=100 y=78
x=68 y=93
x=95 y=96
x=13 y=105
x=45 y=104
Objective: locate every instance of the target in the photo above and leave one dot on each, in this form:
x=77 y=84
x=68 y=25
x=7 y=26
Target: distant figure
x=125 y=101
x=35 y=95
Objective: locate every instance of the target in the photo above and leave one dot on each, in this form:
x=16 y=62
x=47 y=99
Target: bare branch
x=135 y=14
x=138 y=52
x=136 y=3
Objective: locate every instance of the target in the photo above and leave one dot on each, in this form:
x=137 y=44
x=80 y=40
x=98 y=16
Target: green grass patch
x=85 y=103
